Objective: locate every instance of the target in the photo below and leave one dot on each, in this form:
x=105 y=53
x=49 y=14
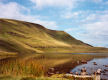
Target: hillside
x=24 y=37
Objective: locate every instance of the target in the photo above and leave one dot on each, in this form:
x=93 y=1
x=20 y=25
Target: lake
x=91 y=68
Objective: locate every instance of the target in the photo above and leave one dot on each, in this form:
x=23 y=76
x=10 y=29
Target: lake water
x=91 y=68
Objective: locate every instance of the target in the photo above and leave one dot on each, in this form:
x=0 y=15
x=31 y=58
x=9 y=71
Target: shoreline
x=67 y=67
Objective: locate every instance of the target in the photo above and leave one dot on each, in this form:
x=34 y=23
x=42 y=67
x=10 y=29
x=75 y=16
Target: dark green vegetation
x=28 y=49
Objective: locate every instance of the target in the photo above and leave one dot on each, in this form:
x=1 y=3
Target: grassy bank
x=38 y=65
x=28 y=78
x=39 y=78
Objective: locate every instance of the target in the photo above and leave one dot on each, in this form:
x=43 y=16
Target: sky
x=86 y=20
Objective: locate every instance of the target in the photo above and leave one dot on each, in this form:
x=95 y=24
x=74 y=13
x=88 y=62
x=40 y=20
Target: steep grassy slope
x=24 y=37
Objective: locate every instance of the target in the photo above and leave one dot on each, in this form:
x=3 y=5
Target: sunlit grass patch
x=9 y=78
x=21 y=68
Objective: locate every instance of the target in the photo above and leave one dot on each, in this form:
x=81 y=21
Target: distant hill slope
x=24 y=37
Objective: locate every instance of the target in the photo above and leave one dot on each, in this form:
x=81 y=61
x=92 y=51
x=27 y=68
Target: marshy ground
x=38 y=65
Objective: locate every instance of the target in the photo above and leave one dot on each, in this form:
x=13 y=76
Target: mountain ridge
x=26 y=37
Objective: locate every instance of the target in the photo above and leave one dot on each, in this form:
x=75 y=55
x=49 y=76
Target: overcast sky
x=86 y=20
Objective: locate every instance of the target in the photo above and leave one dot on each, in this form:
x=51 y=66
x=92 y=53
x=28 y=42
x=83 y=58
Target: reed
x=17 y=67
x=38 y=65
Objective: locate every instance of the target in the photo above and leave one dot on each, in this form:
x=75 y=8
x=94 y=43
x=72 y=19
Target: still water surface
x=91 y=68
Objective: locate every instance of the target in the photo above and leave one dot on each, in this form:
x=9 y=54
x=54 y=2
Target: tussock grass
x=39 y=64
x=17 y=67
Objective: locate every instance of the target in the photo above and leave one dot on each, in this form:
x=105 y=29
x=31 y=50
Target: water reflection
x=93 y=65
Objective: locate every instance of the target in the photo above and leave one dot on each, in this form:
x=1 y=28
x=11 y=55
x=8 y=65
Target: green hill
x=25 y=37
